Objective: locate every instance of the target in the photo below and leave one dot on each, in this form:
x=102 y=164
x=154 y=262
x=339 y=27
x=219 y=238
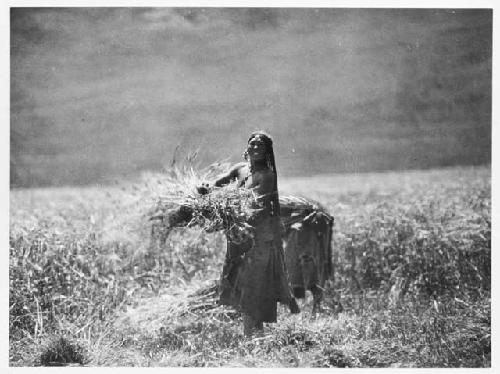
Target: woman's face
x=256 y=148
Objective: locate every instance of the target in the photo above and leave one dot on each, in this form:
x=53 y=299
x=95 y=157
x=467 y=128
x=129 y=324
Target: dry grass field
x=412 y=264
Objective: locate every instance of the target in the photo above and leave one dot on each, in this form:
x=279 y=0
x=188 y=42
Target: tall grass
x=412 y=270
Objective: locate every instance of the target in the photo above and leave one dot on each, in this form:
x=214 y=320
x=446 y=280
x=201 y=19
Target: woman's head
x=260 y=148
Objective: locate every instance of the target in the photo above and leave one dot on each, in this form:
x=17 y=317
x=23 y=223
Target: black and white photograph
x=201 y=186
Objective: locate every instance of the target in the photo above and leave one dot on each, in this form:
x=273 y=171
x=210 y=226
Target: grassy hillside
x=102 y=93
x=412 y=269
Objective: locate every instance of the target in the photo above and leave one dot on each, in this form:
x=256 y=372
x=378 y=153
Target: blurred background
x=99 y=94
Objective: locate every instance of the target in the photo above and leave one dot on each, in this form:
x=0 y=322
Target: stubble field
x=412 y=264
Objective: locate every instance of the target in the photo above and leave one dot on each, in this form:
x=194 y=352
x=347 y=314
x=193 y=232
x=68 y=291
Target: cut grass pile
x=226 y=208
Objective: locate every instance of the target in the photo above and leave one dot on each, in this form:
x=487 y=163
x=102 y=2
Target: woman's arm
x=222 y=180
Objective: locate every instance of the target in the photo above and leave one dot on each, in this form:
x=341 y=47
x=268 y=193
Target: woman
x=254 y=277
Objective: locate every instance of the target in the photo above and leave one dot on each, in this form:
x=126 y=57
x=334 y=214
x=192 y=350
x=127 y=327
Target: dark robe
x=254 y=277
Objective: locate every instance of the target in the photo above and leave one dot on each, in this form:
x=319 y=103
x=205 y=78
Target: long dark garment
x=254 y=276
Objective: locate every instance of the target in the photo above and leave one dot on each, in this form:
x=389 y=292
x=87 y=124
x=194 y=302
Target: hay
x=228 y=208
x=225 y=209
x=297 y=209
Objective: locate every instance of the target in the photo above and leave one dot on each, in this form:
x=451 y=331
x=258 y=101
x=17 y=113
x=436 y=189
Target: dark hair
x=271 y=164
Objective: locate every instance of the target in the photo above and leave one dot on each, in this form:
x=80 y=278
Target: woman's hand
x=203 y=189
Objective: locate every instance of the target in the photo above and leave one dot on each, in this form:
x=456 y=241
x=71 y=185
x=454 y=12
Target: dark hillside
x=100 y=93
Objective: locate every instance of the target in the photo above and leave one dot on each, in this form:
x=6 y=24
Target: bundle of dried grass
x=225 y=209
x=298 y=209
